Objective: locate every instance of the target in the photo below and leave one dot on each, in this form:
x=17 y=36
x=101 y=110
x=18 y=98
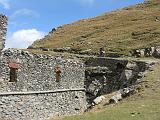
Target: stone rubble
x=98 y=100
x=153 y=51
x=122 y=93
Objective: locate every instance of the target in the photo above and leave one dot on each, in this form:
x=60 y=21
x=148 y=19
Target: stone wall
x=37 y=72
x=36 y=94
x=3 y=30
x=41 y=106
x=105 y=75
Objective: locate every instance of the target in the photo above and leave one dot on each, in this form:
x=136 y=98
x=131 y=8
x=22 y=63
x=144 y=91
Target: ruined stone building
x=38 y=87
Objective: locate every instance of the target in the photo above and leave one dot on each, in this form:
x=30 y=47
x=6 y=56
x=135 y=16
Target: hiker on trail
x=101 y=52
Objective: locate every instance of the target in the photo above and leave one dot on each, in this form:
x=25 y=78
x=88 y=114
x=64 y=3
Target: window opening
x=13 y=75
x=13 y=71
x=58 y=71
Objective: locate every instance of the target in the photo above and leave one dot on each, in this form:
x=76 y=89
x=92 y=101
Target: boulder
x=98 y=100
x=157 y=52
x=94 y=87
x=116 y=98
x=122 y=93
x=142 y=52
x=157 y=19
x=125 y=92
x=130 y=72
x=152 y=50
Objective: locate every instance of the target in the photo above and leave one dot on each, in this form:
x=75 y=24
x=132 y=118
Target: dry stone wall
x=3 y=30
x=36 y=94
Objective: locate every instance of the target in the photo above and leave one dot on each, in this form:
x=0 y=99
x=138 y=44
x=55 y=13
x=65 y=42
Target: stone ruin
x=39 y=87
x=3 y=30
x=106 y=75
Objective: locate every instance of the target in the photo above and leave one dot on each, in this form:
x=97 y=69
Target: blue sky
x=32 y=19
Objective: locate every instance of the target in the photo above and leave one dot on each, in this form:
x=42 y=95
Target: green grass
x=115 y=31
x=144 y=105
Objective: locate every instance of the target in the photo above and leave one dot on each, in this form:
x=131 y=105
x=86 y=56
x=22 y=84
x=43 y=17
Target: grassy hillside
x=144 y=105
x=118 y=32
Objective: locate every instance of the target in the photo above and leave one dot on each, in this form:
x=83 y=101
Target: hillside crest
x=119 y=32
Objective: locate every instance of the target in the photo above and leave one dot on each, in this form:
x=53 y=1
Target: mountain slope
x=118 y=32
